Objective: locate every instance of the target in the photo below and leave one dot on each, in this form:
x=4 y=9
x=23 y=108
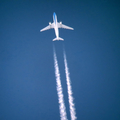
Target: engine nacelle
x=60 y=22
x=49 y=23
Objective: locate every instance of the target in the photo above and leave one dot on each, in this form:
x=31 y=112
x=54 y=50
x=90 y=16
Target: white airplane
x=56 y=25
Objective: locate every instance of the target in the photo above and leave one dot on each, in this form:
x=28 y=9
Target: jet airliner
x=56 y=25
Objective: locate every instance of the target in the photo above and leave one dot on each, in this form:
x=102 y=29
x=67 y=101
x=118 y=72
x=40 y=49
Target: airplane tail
x=58 y=39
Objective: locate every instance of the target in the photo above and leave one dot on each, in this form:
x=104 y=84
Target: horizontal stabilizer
x=58 y=39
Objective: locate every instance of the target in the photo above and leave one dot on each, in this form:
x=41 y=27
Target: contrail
x=69 y=89
x=62 y=108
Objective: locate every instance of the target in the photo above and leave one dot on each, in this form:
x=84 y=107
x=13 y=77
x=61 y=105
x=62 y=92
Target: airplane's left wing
x=50 y=26
x=60 y=25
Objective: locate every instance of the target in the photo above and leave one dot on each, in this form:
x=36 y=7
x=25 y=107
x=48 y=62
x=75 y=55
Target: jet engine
x=49 y=23
x=60 y=22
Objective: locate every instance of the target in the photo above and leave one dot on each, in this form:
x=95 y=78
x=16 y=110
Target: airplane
x=56 y=25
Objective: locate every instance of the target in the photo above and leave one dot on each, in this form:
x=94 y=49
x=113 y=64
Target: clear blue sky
x=27 y=80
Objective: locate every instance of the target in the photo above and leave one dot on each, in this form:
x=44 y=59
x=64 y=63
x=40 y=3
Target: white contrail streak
x=62 y=108
x=69 y=89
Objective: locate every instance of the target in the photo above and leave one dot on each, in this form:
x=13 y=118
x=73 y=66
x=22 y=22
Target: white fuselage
x=55 y=25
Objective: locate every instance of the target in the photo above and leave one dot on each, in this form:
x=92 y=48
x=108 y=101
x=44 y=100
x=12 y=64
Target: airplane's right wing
x=50 y=26
x=60 y=25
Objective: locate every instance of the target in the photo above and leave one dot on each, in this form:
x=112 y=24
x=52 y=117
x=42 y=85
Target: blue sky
x=27 y=79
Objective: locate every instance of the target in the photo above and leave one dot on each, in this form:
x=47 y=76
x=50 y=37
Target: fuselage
x=55 y=25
